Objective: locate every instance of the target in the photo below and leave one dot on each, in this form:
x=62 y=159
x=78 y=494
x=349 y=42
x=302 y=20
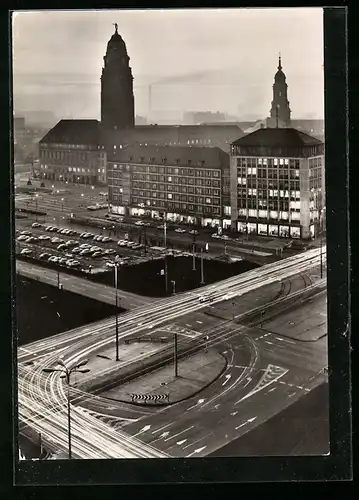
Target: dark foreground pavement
x=301 y=429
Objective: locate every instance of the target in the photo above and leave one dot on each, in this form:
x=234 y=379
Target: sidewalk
x=194 y=374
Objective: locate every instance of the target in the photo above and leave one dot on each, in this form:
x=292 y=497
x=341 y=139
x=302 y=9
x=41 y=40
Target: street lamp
x=62 y=204
x=66 y=374
x=36 y=201
x=116 y=301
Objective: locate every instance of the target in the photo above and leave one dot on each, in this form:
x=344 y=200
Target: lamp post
x=202 y=271
x=173 y=287
x=66 y=374
x=62 y=204
x=194 y=252
x=165 y=243
x=36 y=201
x=116 y=298
x=175 y=355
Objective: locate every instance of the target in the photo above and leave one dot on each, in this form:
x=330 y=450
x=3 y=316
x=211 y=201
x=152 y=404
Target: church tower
x=117 y=100
x=280 y=111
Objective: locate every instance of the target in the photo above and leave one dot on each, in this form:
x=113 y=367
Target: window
x=275 y=161
x=208 y=200
x=176 y=171
x=281 y=161
x=169 y=179
x=170 y=196
x=114 y=146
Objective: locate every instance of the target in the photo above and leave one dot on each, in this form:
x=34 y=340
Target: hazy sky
x=220 y=59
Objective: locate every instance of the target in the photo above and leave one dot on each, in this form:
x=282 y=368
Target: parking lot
x=82 y=250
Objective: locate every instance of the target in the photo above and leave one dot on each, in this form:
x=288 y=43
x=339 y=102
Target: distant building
x=117 y=99
x=173 y=135
x=277 y=183
x=280 y=111
x=198 y=117
x=180 y=183
x=71 y=152
x=19 y=124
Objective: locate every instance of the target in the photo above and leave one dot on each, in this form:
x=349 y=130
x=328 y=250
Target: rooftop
x=277 y=137
x=173 y=155
x=84 y=132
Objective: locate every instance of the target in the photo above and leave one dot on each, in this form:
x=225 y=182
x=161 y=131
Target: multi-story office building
x=180 y=183
x=71 y=152
x=277 y=183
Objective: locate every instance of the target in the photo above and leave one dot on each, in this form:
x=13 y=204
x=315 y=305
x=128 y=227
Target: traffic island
x=162 y=386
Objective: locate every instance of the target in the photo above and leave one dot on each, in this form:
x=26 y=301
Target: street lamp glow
x=66 y=373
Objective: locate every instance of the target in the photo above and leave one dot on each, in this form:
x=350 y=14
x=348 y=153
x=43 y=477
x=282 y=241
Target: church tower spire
x=280 y=111
x=117 y=100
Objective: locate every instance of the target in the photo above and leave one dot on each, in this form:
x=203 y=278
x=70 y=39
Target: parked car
x=35 y=224
x=224 y=237
x=139 y=223
x=44 y=256
x=22 y=237
x=62 y=246
x=130 y=244
x=96 y=254
x=110 y=264
x=62 y=260
x=44 y=237
x=76 y=250
x=215 y=235
x=122 y=243
x=85 y=251
x=106 y=239
x=26 y=251
x=53 y=258
x=26 y=233
x=193 y=231
x=32 y=239
x=179 y=230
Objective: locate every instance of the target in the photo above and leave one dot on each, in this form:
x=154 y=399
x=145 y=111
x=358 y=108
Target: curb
x=198 y=391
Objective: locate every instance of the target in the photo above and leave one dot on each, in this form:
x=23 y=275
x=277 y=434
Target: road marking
x=273 y=389
x=144 y=429
x=299 y=387
x=181 y=442
x=239 y=426
x=164 y=434
x=267 y=342
x=200 y=322
x=178 y=433
x=227 y=378
x=217 y=406
x=292 y=394
x=249 y=379
x=234 y=413
x=189 y=326
x=199 y=402
x=197 y=451
x=161 y=428
x=250 y=420
x=289 y=341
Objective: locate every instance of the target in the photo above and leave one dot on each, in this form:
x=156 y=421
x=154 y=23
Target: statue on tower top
x=116 y=27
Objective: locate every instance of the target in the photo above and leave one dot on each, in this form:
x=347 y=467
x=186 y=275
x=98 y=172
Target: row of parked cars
x=93 y=251
x=59 y=260
x=130 y=244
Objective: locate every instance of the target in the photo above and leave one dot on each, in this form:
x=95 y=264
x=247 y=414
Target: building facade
x=277 y=184
x=117 y=100
x=181 y=184
x=71 y=152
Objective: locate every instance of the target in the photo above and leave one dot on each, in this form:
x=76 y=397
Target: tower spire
x=116 y=27
x=280 y=62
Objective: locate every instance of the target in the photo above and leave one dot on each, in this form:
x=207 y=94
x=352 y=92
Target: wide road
x=82 y=286
x=42 y=397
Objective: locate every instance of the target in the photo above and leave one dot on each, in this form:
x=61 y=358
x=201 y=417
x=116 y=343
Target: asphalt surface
x=265 y=374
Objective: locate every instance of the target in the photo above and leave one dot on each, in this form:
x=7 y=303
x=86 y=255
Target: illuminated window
x=170 y=196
